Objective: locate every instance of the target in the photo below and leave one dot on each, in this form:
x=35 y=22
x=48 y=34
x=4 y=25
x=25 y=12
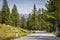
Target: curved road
x=39 y=35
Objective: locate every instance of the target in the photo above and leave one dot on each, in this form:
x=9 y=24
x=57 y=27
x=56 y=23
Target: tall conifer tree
x=34 y=19
x=5 y=12
x=15 y=19
x=23 y=22
x=29 y=22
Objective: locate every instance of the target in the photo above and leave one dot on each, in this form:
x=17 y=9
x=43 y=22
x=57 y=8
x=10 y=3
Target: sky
x=25 y=6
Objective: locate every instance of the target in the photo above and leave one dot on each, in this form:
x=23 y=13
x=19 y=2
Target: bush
x=58 y=33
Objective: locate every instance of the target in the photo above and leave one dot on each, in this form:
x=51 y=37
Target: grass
x=7 y=33
x=53 y=33
x=56 y=33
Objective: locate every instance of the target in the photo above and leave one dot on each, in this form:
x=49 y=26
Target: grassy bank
x=57 y=34
x=9 y=32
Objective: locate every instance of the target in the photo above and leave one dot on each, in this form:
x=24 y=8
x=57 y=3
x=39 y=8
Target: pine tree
x=57 y=5
x=54 y=6
x=39 y=18
x=34 y=19
x=50 y=6
x=23 y=22
x=15 y=19
x=41 y=21
x=57 y=16
x=5 y=12
x=29 y=22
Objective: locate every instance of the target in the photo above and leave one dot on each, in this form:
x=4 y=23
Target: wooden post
x=16 y=33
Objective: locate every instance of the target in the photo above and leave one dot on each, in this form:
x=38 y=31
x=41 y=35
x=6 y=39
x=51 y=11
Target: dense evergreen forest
x=41 y=19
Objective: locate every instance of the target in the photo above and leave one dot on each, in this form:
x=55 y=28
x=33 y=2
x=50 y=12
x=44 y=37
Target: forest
x=41 y=19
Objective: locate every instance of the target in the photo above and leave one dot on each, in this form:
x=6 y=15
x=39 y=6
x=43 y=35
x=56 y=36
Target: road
x=39 y=36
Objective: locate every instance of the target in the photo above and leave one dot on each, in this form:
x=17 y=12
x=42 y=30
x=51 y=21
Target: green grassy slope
x=6 y=33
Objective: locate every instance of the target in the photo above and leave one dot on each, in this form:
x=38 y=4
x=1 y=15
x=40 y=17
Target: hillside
x=8 y=32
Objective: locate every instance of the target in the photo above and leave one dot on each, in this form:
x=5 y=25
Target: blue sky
x=25 y=6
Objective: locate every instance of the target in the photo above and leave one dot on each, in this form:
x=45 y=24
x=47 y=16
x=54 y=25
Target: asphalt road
x=39 y=36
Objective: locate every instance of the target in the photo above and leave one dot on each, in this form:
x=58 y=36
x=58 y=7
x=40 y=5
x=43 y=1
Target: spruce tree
x=23 y=22
x=15 y=19
x=5 y=12
x=34 y=19
x=54 y=6
x=51 y=6
x=29 y=22
x=39 y=18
